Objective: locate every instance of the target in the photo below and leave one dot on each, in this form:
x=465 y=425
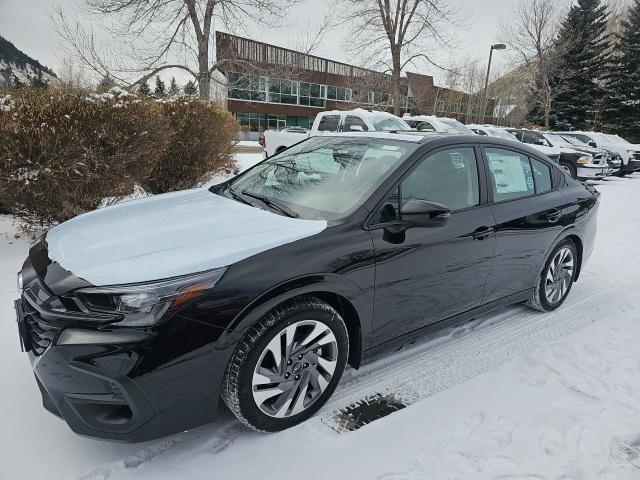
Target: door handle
x=553 y=215
x=482 y=232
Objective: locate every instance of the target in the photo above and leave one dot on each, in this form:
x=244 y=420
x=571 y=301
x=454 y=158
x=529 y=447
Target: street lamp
x=497 y=46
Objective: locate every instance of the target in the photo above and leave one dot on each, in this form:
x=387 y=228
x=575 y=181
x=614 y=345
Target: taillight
x=262 y=142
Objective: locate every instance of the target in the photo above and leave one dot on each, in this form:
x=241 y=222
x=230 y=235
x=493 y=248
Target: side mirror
x=593 y=144
x=423 y=213
x=356 y=128
x=538 y=141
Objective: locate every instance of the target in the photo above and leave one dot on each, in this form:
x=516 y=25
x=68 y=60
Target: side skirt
x=447 y=322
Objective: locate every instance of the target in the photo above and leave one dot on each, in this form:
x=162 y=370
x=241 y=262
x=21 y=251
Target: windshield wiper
x=235 y=195
x=272 y=203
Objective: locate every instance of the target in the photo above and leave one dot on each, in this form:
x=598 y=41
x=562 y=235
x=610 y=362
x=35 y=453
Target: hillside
x=14 y=62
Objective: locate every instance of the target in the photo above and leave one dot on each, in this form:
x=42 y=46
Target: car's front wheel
x=287 y=365
x=570 y=169
x=556 y=278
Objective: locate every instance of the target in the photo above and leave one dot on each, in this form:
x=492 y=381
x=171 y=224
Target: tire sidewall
x=542 y=297
x=248 y=408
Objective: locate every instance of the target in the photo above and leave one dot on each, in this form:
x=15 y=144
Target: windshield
x=383 y=122
x=555 y=139
x=457 y=126
x=618 y=139
x=573 y=141
x=497 y=132
x=323 y=177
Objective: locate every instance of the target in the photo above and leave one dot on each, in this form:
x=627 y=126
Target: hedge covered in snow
x=63 y=152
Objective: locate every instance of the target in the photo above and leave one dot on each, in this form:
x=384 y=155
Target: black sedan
x=138 y=318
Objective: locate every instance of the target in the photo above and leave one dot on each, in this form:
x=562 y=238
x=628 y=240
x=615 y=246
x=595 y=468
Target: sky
x=26 y=23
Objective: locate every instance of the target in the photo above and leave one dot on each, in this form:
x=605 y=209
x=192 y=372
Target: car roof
x=360 y=111
x=422 y=137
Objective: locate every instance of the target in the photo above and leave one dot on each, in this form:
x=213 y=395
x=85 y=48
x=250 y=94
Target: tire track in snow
x=469 y=350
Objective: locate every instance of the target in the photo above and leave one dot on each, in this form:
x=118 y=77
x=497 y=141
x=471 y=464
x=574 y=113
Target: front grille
x=39 y=333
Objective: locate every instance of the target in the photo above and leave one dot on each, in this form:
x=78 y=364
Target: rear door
x=529 y=214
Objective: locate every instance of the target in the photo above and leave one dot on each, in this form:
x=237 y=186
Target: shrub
x=63 y=152
x=201 y=142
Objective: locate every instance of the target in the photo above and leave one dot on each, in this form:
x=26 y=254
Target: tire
x=571 y=169
x=554 y=283
x=267 y=395
x=280 y=150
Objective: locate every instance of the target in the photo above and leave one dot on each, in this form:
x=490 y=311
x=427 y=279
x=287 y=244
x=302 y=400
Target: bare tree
x=530 y=33
x=140 y=38
x=393 y=35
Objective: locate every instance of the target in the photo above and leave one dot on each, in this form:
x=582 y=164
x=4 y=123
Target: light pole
x=497 y=46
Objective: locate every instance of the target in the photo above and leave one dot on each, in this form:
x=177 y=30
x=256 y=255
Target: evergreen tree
x=144 y=89
x=173 y=87
x=622 y=100
x=161 y=89
x=190 y=88
x=583 y=48
x=105 y=84
x=38 y=81
x=16 y=83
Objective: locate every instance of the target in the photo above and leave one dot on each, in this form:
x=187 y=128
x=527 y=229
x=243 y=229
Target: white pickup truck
x=357 y=120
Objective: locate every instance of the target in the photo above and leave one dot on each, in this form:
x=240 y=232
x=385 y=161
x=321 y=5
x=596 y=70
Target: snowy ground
x=515 y=394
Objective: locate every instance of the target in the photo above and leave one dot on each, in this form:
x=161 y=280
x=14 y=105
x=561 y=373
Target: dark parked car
x=139 y=317
x=577 y=162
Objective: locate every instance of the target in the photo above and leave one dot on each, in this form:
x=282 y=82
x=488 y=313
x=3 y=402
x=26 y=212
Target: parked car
x=578 y=164
x=492 y=131
x=436 y=124
x=357 y=120
x=138 y=317
x=628 y=152
x=539 y=144
x=614 y=161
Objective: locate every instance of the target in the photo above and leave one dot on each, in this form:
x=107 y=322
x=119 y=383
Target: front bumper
x=592 y=172
x=125 y=384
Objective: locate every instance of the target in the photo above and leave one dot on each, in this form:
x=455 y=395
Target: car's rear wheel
x=556 y=279
x=287 y=365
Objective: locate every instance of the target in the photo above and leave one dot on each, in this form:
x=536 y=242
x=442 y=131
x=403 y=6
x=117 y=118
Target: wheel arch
x=341 y=294
x=577 y=241
x=568 y=234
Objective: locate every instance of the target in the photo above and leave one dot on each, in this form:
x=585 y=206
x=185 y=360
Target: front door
x=424 y=275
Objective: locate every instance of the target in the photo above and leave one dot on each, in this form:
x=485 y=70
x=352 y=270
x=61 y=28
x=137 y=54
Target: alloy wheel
x=294 y=368
x=559 y=275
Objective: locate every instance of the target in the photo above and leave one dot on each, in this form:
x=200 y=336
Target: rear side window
x=511 y=173
x=356 y=121
x=329 y=123
x=541 y=176
x=426 y=126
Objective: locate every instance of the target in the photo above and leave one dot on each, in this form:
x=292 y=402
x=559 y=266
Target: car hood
x=169 y=235
x=569 y=150
x=546 y=150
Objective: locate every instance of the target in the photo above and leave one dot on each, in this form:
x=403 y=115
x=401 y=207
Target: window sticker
x=508 y=173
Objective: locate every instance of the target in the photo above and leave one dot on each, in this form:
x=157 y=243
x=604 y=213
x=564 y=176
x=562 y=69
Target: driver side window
x=448 y=177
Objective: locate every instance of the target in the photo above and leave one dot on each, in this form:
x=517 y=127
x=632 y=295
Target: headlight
x=145 y=304
x=585 y=159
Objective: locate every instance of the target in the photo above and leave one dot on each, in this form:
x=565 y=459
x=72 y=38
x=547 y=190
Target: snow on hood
x=169 y=235
x=545 y=149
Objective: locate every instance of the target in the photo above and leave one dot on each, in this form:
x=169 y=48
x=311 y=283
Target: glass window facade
x=260 y=121
x=292 y=92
